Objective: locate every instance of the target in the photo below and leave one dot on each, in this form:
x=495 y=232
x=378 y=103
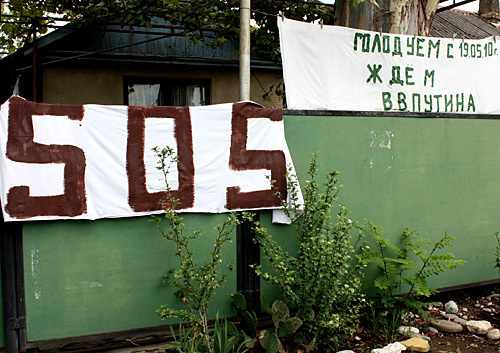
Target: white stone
x=480 y=327
x=493 y=334
x=347 y=351
x=395 y=347
x=451 y=307
x=405 y=330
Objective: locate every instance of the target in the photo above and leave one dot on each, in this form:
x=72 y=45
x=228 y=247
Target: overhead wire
x=103 y=50
x=160 y=34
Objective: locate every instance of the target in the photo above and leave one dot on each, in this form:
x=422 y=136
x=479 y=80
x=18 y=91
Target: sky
x=471 y=7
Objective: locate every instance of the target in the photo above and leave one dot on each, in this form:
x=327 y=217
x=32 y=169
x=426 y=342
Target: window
x=175 y=92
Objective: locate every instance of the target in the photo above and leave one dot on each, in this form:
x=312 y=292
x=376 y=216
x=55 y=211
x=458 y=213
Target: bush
x=195 y=283
x=323 y=280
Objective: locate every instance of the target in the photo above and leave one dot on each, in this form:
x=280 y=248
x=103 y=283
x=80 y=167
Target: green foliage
x=187 y=340
x=285 y=325
x=323 y=281
x=404 y=271
x=406 y=268
x=497 y=252
x=384 y=322
x=227 y=339
x=281 y=337
x=248 y=319
x=195 y=283
x=270 y=342
x=223 y=338
x=212 y=21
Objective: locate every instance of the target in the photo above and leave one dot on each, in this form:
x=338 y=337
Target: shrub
x=195 y=283
x=323 y=280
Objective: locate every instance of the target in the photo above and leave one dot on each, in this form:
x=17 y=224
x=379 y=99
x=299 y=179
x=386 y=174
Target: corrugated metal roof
x=462 y=24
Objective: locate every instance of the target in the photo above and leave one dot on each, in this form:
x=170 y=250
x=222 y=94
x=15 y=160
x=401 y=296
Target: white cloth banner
x=95 y=161
x=340 y=68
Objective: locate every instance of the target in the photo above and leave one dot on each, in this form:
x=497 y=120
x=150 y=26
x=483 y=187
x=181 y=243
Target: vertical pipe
x=35 y=44
x=244 y=50
x=248 y=253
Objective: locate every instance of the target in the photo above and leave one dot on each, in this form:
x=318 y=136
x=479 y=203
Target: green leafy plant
x=280 y=338
x=195 y=283
x=248 y=319
x=404 y=273
x=497 y=253
x=187 y=339
x=323 y=281
x=227 y=339
x=224 y=338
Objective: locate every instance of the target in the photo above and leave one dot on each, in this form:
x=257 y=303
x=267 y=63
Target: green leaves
x=195 y=282
x=403 y=275
x=323 y=280
x=270 y=342
x=212 y=21
x=497 y=252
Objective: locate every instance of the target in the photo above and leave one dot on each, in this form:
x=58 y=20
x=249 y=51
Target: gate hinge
x=18 y=323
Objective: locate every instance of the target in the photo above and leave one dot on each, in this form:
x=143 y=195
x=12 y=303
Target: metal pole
x=248 y=252
x=35 y=63
x=244 y=50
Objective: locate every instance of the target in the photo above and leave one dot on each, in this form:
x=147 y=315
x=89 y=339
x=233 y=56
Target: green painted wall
x=432 y=174
x=435 y=175
x=89 y=277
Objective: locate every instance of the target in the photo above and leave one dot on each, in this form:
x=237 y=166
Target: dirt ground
x=469 y=302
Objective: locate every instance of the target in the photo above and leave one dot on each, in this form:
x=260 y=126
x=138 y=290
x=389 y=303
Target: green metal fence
x=435 y=174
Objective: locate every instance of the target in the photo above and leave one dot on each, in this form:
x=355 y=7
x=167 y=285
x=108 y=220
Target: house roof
x=161 y=44
x=462 y=24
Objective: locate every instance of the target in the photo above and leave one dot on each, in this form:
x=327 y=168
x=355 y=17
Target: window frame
x=169 y=81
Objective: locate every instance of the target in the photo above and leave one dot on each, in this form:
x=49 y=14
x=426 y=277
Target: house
x=462 y=24
x=130 y=65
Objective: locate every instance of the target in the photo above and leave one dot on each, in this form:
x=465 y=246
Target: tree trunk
x=411 y=17
x=488 y=6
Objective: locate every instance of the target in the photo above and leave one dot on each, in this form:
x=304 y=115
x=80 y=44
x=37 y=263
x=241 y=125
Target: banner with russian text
x=96 y=161
x=340 y=68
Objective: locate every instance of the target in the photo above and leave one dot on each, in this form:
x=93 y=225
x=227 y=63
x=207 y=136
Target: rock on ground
x=406 y=330
x=417 y=344
x=451 y=307
x=493 y=334
x=395 y=347
x=479 y=327
x=447 y=326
